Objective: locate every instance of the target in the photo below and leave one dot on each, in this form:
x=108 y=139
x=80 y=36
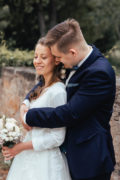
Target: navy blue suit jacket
x=90 y=96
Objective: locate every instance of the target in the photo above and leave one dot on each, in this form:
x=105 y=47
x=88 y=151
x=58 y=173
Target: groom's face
x=68 y=59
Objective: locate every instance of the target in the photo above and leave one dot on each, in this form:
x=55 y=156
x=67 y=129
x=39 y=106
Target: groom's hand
x=28 y=128
x=23 y=111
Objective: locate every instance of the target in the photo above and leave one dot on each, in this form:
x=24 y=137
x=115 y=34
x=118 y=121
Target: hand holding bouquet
x=10 y=133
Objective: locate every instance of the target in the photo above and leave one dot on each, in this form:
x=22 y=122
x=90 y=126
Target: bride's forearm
x=26 y=145
x=21 y=147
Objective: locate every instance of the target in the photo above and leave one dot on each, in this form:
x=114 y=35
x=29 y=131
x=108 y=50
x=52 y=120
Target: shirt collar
x=86 y=57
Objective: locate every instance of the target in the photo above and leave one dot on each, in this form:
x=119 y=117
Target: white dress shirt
x=79 y=64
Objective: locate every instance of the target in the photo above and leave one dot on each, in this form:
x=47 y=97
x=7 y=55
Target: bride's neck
x=48 y=79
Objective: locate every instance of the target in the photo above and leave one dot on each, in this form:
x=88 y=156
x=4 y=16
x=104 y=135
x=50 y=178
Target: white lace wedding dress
x=45 y=162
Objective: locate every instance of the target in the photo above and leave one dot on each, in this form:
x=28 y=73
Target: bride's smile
x=39 y=67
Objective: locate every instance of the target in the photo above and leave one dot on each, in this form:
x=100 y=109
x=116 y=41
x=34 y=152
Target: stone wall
x=14 y=85
x=16 y=82
x=115 y=129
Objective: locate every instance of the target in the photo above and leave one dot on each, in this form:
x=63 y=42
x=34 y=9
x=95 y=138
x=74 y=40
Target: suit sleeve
x=52 y=137
x=95 y=90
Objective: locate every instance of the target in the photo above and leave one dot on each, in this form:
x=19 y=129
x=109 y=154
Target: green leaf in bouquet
x=9 y=144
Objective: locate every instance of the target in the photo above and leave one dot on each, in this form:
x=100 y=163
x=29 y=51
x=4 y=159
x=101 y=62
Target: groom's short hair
x=64 y=34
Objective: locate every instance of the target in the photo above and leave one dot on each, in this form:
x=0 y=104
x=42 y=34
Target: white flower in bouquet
x=9 y=126
x=3 y=136
x=11 y=120
x=17 y=129
x=11 y=138
x=6 y=138
x=4 y=131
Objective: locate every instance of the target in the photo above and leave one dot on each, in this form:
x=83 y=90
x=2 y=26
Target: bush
x=16 y=57
x=113 y=55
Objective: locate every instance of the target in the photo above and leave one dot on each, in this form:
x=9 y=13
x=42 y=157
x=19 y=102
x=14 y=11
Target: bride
x=38 y=157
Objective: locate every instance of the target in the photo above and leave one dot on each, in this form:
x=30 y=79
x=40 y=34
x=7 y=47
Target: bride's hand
x=9 y=153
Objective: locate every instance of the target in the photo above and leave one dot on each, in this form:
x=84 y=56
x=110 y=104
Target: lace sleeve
x=51 y=137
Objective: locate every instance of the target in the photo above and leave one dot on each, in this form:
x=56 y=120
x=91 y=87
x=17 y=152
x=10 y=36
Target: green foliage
x=97 y=20
x=4 y=17
x=114 y=56
x=16 y=57
x=23 y=22
x=23 y=29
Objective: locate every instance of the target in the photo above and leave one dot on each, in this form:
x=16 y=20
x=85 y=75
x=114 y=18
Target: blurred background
x=23 y=22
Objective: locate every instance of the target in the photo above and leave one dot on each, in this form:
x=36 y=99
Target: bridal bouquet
x=10 y=133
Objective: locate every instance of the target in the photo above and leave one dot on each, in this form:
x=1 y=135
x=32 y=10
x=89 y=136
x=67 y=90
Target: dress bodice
x=46 y=138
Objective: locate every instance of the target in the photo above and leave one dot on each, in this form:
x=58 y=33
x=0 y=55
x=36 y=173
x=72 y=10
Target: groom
x=90 y=94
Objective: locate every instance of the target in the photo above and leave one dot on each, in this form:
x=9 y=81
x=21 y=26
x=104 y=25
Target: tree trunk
x=41 y=20
x=117 y=28
x=53 y=13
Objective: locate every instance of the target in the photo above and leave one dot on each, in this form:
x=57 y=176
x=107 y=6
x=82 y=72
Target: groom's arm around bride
x=86 y=115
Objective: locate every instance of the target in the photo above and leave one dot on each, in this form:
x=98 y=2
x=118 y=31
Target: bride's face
x=44 y=61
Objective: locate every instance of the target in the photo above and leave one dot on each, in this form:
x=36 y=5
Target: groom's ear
x=73 y=52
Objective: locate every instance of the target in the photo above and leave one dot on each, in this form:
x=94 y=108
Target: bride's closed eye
x=35 y=56
x=44 y=57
